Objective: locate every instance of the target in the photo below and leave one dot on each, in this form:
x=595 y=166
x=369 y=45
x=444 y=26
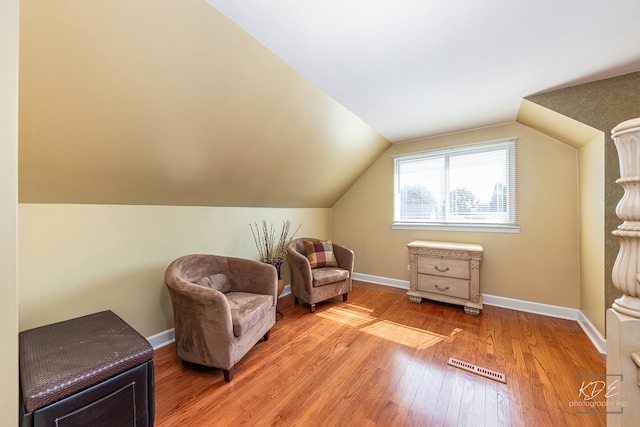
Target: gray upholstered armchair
x=314 y=283
x=222 y=306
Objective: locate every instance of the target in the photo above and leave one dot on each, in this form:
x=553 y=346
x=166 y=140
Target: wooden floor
x=380 y=360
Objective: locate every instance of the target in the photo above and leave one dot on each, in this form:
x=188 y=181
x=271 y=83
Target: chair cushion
x=320 y=253
x=247 y=310
x=218 y=281
x=327 y=275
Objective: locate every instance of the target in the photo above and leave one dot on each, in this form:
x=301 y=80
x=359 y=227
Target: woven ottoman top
x=63 y=358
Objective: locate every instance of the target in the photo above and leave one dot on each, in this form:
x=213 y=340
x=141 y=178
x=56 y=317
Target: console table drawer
x=444 y=267
x=457 y=288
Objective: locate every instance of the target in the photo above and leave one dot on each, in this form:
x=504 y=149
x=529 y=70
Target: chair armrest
x=300 y=268
x=247 y=275
x=200 y=312
x=344 y=257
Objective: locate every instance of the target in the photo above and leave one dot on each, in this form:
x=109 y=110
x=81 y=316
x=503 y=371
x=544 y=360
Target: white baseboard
x=378 y=280
x=161 y=339
x=531 y=307
x=514 y=304
x=167 y=337
x=592 y=332
x=574 y=314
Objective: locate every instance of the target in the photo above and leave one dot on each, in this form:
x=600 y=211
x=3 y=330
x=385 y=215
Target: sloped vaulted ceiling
x=170 y=103
x=419 y=68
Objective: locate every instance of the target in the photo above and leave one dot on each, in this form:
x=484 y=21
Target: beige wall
x=591 y=160
x=79 y=259
x=602 y=105
x=8 y=211
x=540 y=264
x=592 y=256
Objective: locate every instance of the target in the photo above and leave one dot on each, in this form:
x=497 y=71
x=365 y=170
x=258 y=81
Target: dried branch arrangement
x=270 y=250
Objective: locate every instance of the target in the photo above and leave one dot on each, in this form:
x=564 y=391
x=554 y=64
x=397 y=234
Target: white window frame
x=511 y=225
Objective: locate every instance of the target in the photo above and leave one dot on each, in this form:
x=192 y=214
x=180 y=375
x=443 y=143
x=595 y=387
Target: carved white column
x=623 y=318
x=626 y=270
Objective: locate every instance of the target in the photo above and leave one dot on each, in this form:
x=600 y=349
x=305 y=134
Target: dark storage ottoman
x=93 y=371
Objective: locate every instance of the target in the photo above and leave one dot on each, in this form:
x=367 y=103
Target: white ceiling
x=417 y=68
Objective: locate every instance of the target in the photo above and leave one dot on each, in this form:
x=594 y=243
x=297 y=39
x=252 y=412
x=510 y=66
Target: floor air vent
x=487 y=373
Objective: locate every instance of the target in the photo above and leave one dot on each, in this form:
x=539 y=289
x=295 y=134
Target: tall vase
x=280 y=280
x=626 y=270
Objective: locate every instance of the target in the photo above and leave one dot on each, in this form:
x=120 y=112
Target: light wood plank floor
x=380 y=360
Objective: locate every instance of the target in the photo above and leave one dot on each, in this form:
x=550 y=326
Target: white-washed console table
x=446 y=272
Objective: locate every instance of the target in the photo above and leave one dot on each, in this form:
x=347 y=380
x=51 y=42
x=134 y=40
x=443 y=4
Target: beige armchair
x=222 y=306
x=313 y=285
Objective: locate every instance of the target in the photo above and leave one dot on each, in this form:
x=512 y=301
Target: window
x=470 y=187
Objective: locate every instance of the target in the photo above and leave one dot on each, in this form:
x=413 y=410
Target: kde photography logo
x=598 y=394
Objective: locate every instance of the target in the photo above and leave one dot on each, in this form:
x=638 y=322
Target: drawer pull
x=441 y=270
x=441 y=289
